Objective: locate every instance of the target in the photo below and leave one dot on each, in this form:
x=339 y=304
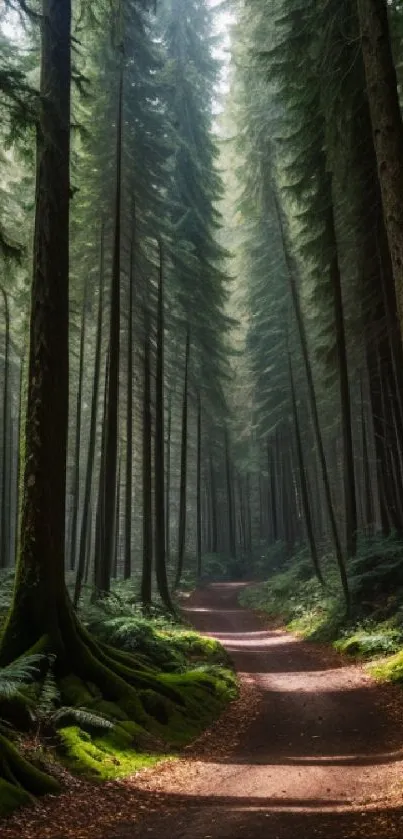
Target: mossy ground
x=102 y=757
x=373 y=632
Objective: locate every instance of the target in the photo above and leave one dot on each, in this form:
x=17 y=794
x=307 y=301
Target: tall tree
x=40 y=601
x=387 y=125
x=159 y=447
x=183 y=466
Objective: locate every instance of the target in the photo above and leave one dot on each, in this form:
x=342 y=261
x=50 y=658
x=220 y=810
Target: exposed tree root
x=147 y=706
x=19 y=779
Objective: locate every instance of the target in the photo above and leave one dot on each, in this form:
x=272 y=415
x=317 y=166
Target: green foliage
x=20 y=672
x=104 y=756
x=390 y=670
x=371 y=640
x=377 y=573
x=160 y=641
x=375 y=626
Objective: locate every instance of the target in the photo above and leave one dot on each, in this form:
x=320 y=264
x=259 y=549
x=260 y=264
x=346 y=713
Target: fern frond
x=81 y=716
x=20 y=672
x=49 y=695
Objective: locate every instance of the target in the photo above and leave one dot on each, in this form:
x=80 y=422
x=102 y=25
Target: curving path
x=312 y=750
x=323 y=758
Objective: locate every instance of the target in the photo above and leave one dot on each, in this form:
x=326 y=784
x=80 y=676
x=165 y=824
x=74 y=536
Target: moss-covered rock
x=110 y=755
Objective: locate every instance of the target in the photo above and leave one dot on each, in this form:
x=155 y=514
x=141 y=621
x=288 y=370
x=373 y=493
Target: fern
x=48 y=696
x=21 y=672
x=81 y=716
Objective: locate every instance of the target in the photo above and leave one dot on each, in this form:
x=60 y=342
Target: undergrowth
x=374 y=628
x=70 y=721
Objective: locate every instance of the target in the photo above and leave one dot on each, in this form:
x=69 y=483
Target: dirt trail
x=320 y=758
x=323 y=758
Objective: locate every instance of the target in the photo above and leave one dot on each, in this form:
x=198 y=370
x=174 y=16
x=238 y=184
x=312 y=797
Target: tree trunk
x=183 y=473
x=387 y=126
x=198 y=490
x=146 y=577
x=129 y=424
x=159 y=460
x=89 y=472
x=168 y=483
x=303 y=481
x=6 y=455
x=77 y=442
x=230 y=500
x=350 y=503
x=213 y=508
x=114 y=354
x=40 y=595
x=100 y=559
x=314 y=409
x=368 y=497
x=19 y=432
x=271 y=465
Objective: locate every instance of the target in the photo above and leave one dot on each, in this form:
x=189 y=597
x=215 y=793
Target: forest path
x=312 y=749
x=322 y=758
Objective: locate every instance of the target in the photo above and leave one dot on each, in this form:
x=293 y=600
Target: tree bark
x=114 y=355
x=303 y=481
x=40 y=595
x=89 y=472
x=387 y=126
x=350 y=503
x=271 y=465
x=6 y=455
x=77 y=442
x=230 y=500
x=146 y=577
x=159 y=450
x=183 y=468
x=129 y=424
x=213 y=508
x=198 y=490
x=314 y=409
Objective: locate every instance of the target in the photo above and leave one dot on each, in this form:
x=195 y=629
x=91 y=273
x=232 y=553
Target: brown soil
x=313 y=748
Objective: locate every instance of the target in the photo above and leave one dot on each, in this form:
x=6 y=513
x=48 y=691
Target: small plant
x=21 y=672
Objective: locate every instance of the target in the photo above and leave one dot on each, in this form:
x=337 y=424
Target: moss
x=204 y=694
x=75 y=692
x=108 y=756
x=110 y=710
x=390 y=670
x=192 y=646
x=156 y=706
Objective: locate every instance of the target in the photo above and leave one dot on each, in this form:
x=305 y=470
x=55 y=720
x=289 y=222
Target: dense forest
x=201 y=356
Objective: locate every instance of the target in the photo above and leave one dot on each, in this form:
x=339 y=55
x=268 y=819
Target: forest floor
x=312 y=748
